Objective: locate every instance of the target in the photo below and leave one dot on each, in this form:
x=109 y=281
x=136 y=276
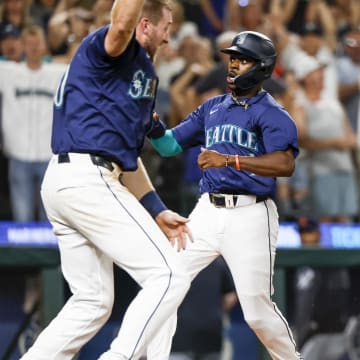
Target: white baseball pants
x=98 y=223
x=246 y=237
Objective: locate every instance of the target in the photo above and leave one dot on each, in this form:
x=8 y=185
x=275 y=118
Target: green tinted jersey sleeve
x=166 y=145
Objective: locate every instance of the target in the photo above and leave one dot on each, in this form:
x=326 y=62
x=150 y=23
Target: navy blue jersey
x=222 y=125
x=104 y=104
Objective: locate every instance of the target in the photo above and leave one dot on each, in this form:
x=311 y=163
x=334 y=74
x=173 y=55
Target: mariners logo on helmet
x=240 y=38
x=259 y=48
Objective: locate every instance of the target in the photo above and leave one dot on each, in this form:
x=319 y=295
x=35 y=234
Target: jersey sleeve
x=190 y=132
x=279 y=131
x=97 y=55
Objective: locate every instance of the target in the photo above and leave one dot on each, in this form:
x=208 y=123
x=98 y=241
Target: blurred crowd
x=316 y=78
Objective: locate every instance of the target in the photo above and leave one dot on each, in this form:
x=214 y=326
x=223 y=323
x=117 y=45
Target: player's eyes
x=242 y=61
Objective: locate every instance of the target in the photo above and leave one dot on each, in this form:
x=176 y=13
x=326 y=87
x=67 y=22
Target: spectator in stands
x=290 y=13
x=198 y=54
x=11 y=46
x=67 y=27
x=329 y=140
x=214 y=16
x=293 y=193
x=348 y=67
x=27 y=91
x=41 y=11
x=249 y=15
x=317 y=39
x=15 y=12
x=11 y=49
x=346 y=14
x=170 y=61
x=319 y=21
x=213 y=82
x=101 y=12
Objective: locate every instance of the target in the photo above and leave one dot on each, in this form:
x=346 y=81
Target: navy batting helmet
x=259 y=48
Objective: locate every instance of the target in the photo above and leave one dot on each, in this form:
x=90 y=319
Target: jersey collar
x=246 y=102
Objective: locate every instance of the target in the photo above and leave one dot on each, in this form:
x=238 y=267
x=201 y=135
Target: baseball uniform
x=236 y=216
x=102 y=112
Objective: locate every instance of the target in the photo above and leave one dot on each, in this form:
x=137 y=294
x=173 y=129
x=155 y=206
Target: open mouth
x=230 y=78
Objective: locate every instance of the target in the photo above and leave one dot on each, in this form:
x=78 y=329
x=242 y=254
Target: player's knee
x=255 y=310
x=181 y=282
x=255 y=323
x=102 y=312
x=99 y=306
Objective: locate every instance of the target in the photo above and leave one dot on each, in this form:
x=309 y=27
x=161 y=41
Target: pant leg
x=194 y=258
x=21 y=190
x=248 y=247
x=89 y=274
x=90 y=202
x=39 y=171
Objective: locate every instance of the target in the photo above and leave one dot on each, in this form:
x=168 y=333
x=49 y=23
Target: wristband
x=237 y=162
x=227 y=161
x=152 y=203
x=158 y=130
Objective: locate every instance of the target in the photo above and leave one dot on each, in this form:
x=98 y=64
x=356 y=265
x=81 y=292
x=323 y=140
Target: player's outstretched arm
x=166 y=145
x=138 y=181
x=172 y=224
x=125 y=15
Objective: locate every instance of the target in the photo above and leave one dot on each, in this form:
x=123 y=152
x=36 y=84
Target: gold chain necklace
x=244 y=104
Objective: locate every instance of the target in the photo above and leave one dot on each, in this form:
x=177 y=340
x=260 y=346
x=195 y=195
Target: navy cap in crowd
x=9 y=30
x=306 y=224
x=312 y=29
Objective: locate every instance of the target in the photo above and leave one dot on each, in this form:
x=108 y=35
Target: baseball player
x=248 y=140
x=102 y=112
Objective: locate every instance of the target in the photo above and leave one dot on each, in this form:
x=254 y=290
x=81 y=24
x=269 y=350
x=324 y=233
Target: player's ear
x=145 y=24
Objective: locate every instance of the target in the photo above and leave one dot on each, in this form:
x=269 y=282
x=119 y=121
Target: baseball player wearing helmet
x=248 y=140
x=102 y=112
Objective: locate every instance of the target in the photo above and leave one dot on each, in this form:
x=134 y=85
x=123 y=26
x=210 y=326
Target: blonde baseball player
x=102 y=113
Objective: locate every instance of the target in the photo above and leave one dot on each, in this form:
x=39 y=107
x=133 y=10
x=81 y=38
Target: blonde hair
x=153 y=9
x=34 y=30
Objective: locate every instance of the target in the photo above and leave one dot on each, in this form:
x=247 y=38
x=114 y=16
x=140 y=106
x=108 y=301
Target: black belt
x=96 y=160
x=219 y=200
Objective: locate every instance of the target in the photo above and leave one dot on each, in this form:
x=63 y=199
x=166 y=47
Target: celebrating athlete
x=248 y=140
x=102 y=112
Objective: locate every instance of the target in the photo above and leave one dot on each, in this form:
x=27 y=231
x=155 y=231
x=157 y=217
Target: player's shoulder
x=269 y=109
x=269 y=101
x=215 y=100
x=95 y=39
x=270 y=104
x=93 y=49
x=213 y=103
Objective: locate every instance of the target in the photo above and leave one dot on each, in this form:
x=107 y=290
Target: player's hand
x=174 y=227
x=158 y=127
x=210 y=159
x=155 y=116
